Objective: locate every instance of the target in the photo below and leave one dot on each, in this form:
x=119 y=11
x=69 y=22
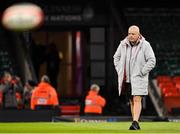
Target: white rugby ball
x=22 y=16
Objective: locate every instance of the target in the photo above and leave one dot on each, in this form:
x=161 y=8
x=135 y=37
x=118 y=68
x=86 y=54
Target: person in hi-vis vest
x=94 y=103
x=44 y=94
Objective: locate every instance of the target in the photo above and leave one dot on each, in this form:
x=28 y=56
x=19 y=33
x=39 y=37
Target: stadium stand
x=162 y=35
x=6 y=62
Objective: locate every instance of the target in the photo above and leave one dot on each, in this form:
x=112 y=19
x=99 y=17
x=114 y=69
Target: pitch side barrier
x=97 y=118
x=27 y=115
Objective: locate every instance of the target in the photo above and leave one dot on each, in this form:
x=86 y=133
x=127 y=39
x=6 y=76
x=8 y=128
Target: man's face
x=133 y=35
x=7 y=77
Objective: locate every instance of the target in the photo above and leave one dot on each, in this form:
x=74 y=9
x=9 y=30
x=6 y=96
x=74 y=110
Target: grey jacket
x=142 y=62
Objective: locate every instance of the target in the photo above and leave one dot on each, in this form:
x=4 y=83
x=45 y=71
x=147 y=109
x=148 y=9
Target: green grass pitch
x=93 y=128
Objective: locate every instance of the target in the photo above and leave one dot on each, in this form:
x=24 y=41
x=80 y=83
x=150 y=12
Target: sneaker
x=134 y=126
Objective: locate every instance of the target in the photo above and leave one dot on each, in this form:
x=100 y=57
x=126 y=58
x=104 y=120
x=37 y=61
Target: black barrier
x=27 y=115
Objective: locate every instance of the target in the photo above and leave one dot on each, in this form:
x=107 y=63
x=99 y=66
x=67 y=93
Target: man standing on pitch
x=133 y=60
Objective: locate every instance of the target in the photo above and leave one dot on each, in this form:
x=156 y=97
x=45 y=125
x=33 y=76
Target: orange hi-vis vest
x=94 y=103
x=44 y=94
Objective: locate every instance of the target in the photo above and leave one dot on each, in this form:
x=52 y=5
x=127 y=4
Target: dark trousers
x=92 y=114
x=128 y=91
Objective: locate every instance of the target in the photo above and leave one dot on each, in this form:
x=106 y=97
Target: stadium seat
x=166 y=85
x=172 y=100
x=163 y=79
x=176 y=79
x=169 y=91
x=70 y=109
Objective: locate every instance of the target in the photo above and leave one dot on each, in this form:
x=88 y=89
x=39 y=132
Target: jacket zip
x=130 y=65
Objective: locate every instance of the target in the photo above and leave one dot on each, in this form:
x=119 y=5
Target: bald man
x=133 y=60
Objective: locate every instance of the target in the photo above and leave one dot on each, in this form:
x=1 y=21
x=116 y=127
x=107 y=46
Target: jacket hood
x=43 y=85
x=126 y=41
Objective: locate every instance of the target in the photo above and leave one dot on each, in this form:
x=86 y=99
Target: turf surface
x=102 y=128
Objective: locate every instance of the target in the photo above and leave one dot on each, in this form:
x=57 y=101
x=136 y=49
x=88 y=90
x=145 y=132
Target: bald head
x=133 y=34
x=45 y=78
x=95 y=87
x=134 y=28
